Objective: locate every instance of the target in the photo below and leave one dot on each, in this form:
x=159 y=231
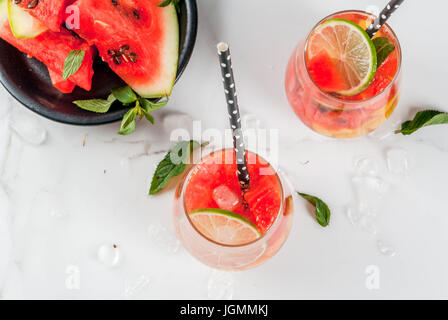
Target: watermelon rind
x=23 y=25
x=164 y=85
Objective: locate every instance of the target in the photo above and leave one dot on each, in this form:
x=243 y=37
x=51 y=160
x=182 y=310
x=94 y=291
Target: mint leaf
x=423 y=119
x=125 y=95
x=96 y=105
x=152 y=106
x=72 y=63
x=128 y=123
x=323 y=213
x=383 y=49
x=172 y=165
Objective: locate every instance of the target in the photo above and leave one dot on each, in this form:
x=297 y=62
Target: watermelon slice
x=138 y=39
x=51 y=48
x=65 y=86
x=50 y=12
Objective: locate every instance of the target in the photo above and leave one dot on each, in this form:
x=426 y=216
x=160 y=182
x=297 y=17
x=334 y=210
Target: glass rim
x=270 y=230
x=353 y=102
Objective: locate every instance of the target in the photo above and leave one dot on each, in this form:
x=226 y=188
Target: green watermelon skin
x=52 y=48
x=49 y=12
x=150 y=32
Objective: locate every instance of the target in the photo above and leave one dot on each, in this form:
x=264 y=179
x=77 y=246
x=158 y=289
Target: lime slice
x=224 y=227
x=351 y=50
x=23 y=25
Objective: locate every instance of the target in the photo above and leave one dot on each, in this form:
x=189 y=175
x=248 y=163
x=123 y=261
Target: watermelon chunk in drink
x=214 y=184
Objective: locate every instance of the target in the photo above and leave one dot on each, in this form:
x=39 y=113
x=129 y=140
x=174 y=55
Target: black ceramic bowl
x=28 y=80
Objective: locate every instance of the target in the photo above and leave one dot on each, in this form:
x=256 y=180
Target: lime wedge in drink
x=350 y=52
x=224 y=227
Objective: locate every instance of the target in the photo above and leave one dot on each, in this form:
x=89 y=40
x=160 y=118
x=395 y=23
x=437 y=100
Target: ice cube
x=109 y=255
x=369 y=191
x=397 y=161
x=163 y=238
x=225 y=198
x=385 y=248
x=220 y=285
x=366 y=166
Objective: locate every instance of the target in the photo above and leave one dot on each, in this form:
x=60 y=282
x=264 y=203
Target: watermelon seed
x=17 y=1
x=115 y=2
x=133 y=57
x=124 y=48
x=112 y=53
x=124 y=57
x=32 y=4
x=117 y=60
x=136 y=14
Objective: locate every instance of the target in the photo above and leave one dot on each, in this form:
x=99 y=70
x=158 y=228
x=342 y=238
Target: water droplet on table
x=109 y=255
x=220 y=285
x=385 y=248
x=397 y=161
x=163 y=238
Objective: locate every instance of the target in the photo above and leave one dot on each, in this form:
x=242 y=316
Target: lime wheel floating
x=224 y=227
x=341 y=57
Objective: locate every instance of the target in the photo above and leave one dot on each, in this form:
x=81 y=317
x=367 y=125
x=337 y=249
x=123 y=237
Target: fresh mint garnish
x=142 y=107
x=72 y=63
x=125 y=95
x=96 y=105
x=322 y=211
x=383 y=48
x=172 y=165
x=423 y=119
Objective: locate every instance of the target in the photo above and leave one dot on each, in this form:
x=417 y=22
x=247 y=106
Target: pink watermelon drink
x=327 y=94
x=222 y=228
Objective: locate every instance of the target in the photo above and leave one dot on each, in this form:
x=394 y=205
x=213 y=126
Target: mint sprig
x=383 y=48
x=172 y=165
x=141 y=107
x=72 y=63
x=322 y=211
x=423 y=119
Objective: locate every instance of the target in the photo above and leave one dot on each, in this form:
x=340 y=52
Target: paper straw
x=234 y=114
x=383 y=17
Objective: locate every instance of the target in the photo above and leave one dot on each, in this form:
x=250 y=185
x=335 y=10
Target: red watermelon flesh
x=50 y=12
x=52 y=48
x=138 y=39
x=65 y=86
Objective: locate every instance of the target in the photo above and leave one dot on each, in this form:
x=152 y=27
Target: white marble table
x=68 y=194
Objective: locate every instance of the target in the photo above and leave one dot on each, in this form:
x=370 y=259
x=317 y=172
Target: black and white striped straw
x=234 y=114
x=383 y=17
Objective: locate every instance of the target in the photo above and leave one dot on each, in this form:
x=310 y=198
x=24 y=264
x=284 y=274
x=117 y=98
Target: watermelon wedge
x=138 y=39
x=50 y=12
x=51 y=48
x=65 y=86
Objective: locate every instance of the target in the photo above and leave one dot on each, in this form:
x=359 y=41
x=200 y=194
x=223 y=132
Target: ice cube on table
x=225 y=198
x=385 y=248
x=163 y=238
x=397 y=161
x=367 y=166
